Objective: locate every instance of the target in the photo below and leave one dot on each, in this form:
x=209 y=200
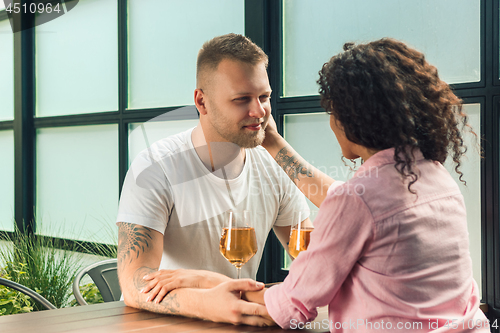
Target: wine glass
x=300 y=233
x=238 y=242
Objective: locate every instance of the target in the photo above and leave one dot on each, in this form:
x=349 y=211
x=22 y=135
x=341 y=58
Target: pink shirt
x=385 y=259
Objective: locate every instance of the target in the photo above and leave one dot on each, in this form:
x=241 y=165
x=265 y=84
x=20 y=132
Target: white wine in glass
x=238 y=242
x=300 y=233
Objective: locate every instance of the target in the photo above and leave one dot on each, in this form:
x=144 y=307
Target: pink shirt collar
x=383 y=157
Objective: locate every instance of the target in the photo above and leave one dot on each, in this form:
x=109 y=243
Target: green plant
x=103 y=250
x=37 y=263
x=48 y=265
x=12 y=302
x=90 y=293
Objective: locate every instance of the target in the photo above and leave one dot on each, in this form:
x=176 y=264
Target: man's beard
x=251 y=140
x=243 y=138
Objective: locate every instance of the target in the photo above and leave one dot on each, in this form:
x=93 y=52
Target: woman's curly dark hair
x=386 y=95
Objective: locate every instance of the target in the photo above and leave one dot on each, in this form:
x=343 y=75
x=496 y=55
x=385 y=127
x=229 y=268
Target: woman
x=390 y=248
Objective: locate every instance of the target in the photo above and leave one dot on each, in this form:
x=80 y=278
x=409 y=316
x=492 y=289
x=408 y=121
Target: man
x=175 y=194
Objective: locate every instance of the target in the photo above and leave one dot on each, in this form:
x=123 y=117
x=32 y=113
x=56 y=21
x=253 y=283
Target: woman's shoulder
x=384 y=189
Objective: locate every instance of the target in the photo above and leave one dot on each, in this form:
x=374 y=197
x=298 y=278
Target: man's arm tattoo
x=169 y=304
x=139 y=274
x=292 y=165
x=132 y=240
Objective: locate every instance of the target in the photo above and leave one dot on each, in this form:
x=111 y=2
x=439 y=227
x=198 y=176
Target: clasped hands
x=227 y=298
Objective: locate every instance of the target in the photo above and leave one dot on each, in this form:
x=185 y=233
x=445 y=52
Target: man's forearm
x=221 y=303
x=311 y=181
x=177 y=302
x=139 y=254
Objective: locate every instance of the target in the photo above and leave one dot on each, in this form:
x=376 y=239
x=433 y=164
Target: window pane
x=77 y=182
x=77 y=60
x=142 y=135
x=447 y=31
x=164 y=39
x=326 y=156
x=471 y=168
x=2 y=5
x=7 y=180
x=7 y=72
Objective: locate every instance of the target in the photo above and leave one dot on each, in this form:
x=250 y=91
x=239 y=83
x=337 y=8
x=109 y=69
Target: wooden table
x=117 y=317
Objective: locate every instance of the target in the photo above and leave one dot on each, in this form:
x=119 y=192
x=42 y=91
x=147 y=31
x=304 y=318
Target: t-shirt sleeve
x=146 y=197
x=343 y=231
x=291 y=199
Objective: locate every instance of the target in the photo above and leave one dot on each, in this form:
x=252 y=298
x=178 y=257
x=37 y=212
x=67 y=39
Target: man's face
x=238 y=103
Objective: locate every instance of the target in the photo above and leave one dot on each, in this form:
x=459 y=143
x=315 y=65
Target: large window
x=446 y=31
x=77 y=61
x=92 y=65
x=77 y=182
x=471 y=168
x=6 y=132
x=83 y=94
x=7 y=72
x=7 y=180
x=164 y=39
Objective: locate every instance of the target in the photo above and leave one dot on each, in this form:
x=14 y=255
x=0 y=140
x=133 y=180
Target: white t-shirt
x=169 y=189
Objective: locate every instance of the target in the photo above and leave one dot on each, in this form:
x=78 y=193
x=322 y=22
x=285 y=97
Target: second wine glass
x=300 y=232
x=238 y=242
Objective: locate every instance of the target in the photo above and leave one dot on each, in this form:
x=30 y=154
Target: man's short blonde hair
x=231 y=46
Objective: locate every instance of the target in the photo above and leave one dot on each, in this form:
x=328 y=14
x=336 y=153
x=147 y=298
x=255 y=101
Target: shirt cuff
x=276 y=308
x=142 y=221
x=284 y=310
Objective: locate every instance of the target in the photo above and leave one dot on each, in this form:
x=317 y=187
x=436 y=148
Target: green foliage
x=90 y=293
x=12 y=301
x=36 y=263
x=103 y=250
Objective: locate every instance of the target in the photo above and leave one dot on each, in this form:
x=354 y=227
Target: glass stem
x=238 y=272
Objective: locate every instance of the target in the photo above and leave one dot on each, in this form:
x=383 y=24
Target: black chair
x=105 y=276
x=27 y=291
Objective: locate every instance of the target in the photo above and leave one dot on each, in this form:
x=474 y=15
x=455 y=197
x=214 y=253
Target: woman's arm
x=163 y=281
x=254 y=296
x=311 y=181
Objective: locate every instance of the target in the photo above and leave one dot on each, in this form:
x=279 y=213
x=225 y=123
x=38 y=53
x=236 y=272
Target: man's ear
x=200 y=101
